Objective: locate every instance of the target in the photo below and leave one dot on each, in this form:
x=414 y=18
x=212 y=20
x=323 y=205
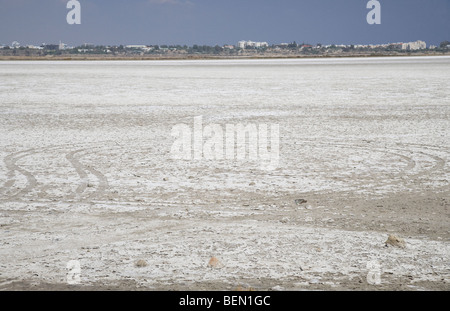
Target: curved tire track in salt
x=10 y=163
x=80 y=171
x=8 y=192
x=438 y=165
x=83 y=171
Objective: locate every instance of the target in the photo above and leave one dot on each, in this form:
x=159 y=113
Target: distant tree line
x=444 y=44
x=286 y=48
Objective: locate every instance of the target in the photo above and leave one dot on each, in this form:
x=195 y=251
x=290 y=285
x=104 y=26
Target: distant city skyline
x=417 y=45
x=215 y=22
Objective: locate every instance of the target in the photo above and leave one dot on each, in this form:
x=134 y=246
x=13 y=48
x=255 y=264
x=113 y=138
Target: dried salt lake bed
x=87 y=174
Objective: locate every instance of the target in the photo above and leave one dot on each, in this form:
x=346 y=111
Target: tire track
x=411 y=163
x=10 y=163
x=8 y=192
x=438 y=163
x=80 y=171
x=84 y=171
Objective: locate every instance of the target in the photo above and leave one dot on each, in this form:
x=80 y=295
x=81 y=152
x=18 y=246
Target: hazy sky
x=223 y=21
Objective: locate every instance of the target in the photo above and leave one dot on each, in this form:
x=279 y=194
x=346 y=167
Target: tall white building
x=245 y=44
x=418 y=45
x=241 y=44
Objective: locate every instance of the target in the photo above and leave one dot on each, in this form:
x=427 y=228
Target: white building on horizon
x=62 y=46
x=245 y=44
x=34 y=47
x=418 y=45
x=135 y=46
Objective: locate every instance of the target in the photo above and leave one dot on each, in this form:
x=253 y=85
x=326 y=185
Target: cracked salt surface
x=88 y=176
x=249 y=251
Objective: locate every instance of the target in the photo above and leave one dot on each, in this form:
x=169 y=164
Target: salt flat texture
x=86 y=174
